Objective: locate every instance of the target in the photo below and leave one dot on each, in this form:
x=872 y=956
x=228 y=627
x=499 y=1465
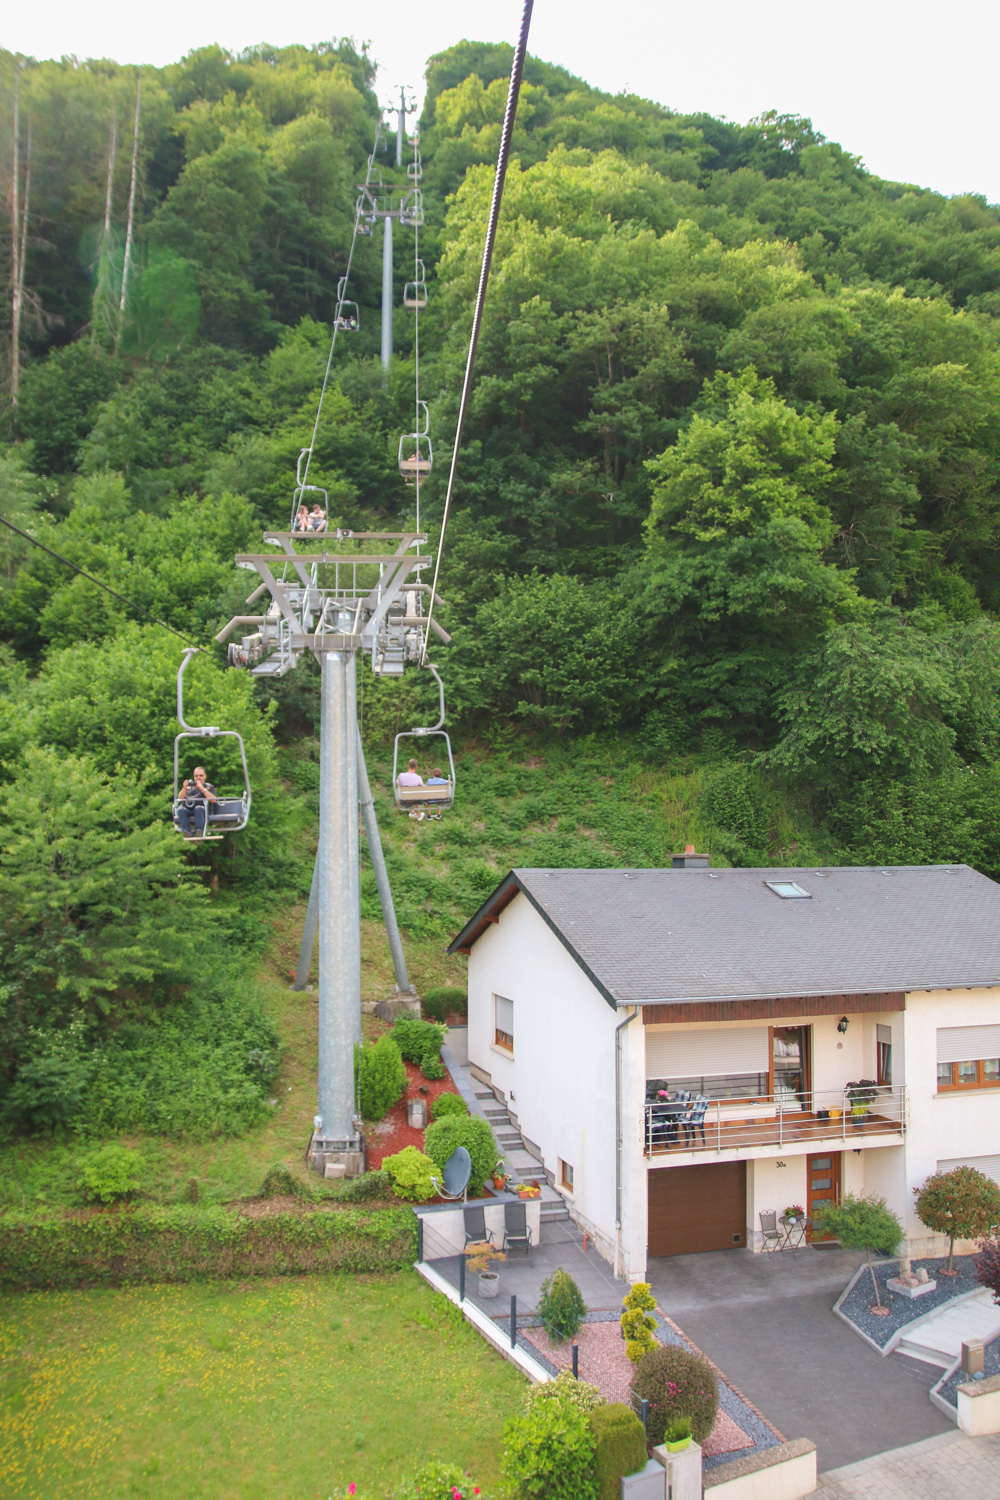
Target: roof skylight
x=788 y=890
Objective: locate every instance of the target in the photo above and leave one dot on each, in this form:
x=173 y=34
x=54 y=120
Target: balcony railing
x=771 y=1120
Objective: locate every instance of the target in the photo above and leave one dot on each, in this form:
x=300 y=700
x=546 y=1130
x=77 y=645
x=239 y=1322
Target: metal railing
x=771 y=1120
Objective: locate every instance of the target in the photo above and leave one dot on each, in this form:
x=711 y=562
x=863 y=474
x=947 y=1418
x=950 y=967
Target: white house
x=676 y=1044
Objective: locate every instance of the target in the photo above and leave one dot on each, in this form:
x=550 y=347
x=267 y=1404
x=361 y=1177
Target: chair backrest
x=769 y=1220
x=683 y=1095
x=700 y=1107
x=515 y=1219
x=457 y=1171
x=475 y=1223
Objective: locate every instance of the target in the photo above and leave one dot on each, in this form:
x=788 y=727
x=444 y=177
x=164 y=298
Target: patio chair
x=774 y=1239
x=515 y=1226
x=695 y=1118
x=457 y=1171
x=475 y=1226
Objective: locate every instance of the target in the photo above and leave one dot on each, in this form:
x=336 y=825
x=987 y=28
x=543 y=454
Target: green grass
x=287 y=1388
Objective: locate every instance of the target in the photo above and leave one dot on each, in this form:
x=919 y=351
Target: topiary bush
x=549 y=1450
x=962 y=1204
x=380 y=1077
x=676 y=1383
x=438 y=1005
x=637 y=1326
x=561 y=1306
x=448 y=1104
x=619 y=1447
x=111 y=1173
x=412 y=1174
x=470 y=1131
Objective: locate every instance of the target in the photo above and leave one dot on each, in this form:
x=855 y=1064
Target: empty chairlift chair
x=415 y=292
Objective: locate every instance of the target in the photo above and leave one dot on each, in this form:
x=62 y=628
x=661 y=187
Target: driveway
x=767 y=1322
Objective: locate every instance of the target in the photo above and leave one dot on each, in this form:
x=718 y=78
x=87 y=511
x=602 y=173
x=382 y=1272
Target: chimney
x=689 y=860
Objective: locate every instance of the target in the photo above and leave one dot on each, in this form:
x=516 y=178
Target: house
x=676 y=1044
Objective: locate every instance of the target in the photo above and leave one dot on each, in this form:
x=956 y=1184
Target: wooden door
x=697 y=1208
x=822 y=1184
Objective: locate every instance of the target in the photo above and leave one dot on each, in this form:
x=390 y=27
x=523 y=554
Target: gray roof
x=692 y=934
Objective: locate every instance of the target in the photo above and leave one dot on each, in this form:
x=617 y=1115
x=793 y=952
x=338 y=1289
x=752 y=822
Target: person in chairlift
x=192 y=809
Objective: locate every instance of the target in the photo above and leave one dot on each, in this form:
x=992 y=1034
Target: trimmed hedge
x=187 y=1243
x=620 y=1448
x=439 y=1004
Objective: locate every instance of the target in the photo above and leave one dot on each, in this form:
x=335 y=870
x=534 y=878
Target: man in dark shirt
x=192 y=805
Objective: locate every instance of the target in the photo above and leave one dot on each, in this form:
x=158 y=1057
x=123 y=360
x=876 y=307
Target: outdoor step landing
x=939 y=1337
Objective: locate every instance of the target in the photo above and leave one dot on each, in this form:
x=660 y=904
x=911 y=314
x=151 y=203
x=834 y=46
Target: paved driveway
x=767 y=1321
x=950 y=1467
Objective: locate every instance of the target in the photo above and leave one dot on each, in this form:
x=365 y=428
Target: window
x=968 y=1057
x=788 y=890
x=503 y=1021
x=982 y=1073
x=566 y=1175
x=883 y=1047
x=721 y=1086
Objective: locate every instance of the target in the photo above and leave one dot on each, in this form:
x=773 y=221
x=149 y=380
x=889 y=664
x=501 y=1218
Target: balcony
x=678 y=1125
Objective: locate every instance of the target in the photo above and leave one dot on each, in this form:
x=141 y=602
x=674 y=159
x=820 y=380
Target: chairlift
x=302 y=489
x=414 y=169
x=416 y=456
x=347 y=319
x=227 y=814
x=418 y=798
x=415 y=292
x=411 y=209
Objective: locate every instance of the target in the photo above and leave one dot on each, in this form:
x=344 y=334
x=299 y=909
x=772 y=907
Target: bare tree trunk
x=131 y=201
x=112 y=151
x=15 y=253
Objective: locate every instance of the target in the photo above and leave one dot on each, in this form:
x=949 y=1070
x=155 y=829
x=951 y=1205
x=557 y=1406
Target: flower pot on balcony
x=858 y=1111
x=489 y=1283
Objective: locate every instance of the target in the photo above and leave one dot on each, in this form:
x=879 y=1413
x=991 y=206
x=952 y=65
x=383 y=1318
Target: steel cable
x=516 y=70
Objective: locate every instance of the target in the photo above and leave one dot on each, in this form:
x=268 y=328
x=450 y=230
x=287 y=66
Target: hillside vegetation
x=723 y=566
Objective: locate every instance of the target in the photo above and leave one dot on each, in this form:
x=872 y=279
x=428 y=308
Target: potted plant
x=478 y=1256
x=500 y=1178
x=529 y=1190
x=677 y=1435
x=860 y=1094
x=794 y=1212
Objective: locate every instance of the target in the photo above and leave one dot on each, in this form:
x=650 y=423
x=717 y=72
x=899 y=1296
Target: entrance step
x=938 y=1338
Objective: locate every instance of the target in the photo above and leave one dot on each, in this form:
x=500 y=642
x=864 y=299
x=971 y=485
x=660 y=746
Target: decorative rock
x=912 y=1287
x=922 y=1275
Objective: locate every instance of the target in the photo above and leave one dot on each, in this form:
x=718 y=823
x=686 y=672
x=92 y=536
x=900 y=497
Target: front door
x=823 y=1185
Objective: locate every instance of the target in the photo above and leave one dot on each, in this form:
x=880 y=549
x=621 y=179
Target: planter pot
x=679 y=1446
x=499 y=1183
x=489 y=1283
x=859 y=1111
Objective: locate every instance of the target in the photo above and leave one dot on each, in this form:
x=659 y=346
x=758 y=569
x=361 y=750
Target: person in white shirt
x=412 y=777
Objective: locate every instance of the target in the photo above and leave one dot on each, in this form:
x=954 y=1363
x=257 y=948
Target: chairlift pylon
x=418 y=798
x=227 y=814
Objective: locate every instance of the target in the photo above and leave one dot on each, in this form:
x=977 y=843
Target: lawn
x=284 y=1388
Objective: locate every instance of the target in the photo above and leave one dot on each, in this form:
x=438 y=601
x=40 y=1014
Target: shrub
x=565 y=1387
x=549 y=1452
x=963 y=1204
x=417 y=1039
x=111 y=1173
x=364 y=1189
x=52 y=1080
x=448 y=1104
x=381 y=1077
x=412 y=1174
x=637 y=1326
x=676 y=1383
x=470 y=1131
x=988 y=1266
x=438 y=1005
x=862 y=1223
x=281 y=1182
x=561 y=1306
x=432 y=1068
x=619 y=1448
x=436 y=1481
x=677 y=1428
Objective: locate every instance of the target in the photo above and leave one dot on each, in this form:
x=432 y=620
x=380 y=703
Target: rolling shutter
x=504 y=1014
x=706 y=1054
x=967 y=1043
x=988 y=1165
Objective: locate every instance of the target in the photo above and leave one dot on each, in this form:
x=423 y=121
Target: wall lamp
x=843 y=1024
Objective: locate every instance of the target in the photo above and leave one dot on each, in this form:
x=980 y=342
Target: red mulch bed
x=392 y=1133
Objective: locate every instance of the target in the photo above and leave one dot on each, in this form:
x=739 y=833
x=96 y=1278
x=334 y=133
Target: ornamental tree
x=865 y=1223
x=963 y=1204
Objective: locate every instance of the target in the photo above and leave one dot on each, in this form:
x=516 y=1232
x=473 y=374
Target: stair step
x=922 y=1352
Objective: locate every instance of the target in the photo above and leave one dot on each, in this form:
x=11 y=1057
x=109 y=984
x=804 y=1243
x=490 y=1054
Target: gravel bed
x=856 y=1305
x=991 y=1366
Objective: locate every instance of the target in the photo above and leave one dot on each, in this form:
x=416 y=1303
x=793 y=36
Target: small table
x=795 y=1232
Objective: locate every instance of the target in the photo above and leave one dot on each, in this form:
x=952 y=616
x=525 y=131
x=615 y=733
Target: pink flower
x=352 y=1488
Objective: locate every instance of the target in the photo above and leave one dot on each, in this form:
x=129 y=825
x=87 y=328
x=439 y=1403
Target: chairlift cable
x=514 y=88
x=416 y=352
x=91 y=579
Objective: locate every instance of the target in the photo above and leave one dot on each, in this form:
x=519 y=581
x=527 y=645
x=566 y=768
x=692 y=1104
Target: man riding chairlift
x=192 y=804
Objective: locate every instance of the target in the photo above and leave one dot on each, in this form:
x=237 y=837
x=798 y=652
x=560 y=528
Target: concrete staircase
x=938 y=1338
x=522 y=1163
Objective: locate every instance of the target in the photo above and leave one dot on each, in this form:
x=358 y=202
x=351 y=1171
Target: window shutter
x=988 y=1165
x=504 y=1014
x=884 y=1035
x=706 y=1054
x=967 y=1043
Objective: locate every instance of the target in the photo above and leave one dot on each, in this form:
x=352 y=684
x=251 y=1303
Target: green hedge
x=188 y=1243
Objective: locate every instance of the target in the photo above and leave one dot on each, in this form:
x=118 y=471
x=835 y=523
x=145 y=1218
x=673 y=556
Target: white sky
x=909 y=89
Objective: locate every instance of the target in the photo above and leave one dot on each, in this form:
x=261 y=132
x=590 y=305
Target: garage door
x=697 y=1208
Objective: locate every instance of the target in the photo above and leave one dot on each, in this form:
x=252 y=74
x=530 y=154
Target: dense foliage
x=549 y=1447
x=962 y=1204
x=380 y=1077
x=862 y=1221
x=445 y=1135
x=676 y=1383
x=619 y=1447
x=729 y=493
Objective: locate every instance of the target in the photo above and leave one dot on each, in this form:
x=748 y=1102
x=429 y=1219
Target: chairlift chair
x=414 y=798
x=347 y=319
x=411 y=209
x=414 y=169
x=416 y=456
x=415 y=292
x=227 y=814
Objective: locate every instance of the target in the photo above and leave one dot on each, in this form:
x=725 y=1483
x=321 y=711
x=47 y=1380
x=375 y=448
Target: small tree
x=863 y=1223
x=963 y=1204
x=561 y=1307
x=381 y=1077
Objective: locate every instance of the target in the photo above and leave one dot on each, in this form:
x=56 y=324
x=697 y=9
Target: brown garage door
x=697 y=1208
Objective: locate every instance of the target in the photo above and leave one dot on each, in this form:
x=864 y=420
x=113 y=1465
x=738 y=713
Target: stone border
x=742 y=1468
x=904 y=1330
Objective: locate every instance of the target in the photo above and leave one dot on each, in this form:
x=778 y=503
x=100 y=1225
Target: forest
x=723 y=564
